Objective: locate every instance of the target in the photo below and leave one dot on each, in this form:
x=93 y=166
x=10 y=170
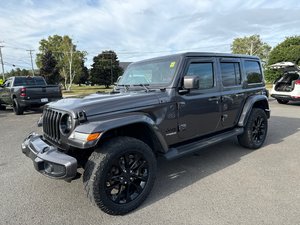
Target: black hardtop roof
x=211 y=54
x=202 y=54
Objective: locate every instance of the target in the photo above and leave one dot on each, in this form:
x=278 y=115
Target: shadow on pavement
x=173 y=176
x=294 y=103
x=10 y=111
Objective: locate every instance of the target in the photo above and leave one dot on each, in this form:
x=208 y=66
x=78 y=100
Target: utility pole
x=1 y=46
x=111 y=70
x=30 y=52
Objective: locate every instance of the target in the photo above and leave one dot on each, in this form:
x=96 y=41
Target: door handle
x=214 y=99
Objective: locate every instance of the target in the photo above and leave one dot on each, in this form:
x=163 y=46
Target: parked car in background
x=287 y=87
x=27 y=92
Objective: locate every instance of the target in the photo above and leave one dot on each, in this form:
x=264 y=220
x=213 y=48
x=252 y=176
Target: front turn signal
x=93 y=137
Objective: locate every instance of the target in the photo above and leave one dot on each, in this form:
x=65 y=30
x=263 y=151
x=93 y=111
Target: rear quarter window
x=253 y=72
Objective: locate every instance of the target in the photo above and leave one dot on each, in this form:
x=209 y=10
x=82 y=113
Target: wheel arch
x=139 y=130
x=256 y=101
x=140 y=127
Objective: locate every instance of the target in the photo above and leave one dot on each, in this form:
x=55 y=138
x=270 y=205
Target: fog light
x=54 y=170
x=48 y=167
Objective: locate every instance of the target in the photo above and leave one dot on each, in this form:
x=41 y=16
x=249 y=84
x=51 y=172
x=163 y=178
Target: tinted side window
x=253 y=72
x=205 y=73
x=231 y=75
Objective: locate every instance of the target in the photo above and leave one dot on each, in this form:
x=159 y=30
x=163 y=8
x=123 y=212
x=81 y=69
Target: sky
x=140 y=29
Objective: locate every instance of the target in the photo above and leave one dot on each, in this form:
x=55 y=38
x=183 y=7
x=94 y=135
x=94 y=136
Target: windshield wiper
x=126 y=86
x=143 y=85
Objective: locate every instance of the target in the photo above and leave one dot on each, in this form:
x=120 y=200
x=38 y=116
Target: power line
x=16 y=65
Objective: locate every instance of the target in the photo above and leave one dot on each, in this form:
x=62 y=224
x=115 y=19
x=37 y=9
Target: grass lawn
x=86 y=90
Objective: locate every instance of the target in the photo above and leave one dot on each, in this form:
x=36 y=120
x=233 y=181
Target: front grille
x=51 y=120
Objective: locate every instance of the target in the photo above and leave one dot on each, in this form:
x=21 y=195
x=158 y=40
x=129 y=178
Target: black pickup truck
x=27 y=92
x=163 y=107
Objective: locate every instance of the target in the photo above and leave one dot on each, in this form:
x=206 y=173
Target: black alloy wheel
x=127 y=178
x=258 y=130
x=120 y=174
x=255 y=130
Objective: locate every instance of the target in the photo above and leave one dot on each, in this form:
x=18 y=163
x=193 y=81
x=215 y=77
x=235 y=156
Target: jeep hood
x=96 y=104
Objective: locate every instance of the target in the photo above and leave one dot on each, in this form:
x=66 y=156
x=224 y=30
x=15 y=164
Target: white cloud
x=141 y=29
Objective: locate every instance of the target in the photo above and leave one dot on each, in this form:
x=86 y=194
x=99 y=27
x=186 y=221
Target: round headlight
x=66 y=124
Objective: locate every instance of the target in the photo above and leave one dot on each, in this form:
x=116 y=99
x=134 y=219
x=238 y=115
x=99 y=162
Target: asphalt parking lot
x=225 y=185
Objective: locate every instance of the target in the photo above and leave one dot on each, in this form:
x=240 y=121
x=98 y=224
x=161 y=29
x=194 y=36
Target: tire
x=255 y=130
x=2 y=107
x=17 y=108
x=119 y=175
x=281 y=101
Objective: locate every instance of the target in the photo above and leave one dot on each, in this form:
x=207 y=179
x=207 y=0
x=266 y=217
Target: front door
x=199 y=110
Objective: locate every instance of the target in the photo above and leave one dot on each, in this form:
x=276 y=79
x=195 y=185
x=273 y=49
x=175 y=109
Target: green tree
x=83 y=77
x=69 y=59
x=286 y=51
x=105 y=69
x=49 y=68
x=18 y=72
x=251 y=45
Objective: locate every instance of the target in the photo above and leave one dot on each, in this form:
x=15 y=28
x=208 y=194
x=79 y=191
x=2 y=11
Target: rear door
x=233 y=96
x=199 y=110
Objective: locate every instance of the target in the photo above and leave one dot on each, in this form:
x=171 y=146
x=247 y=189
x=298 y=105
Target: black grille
x=51 y=120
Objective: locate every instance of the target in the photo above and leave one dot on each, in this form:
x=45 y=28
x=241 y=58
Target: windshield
x=157 y=72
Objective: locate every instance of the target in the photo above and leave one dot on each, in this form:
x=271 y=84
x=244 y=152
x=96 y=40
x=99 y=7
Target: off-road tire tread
x=96 y=164
x=245 y=138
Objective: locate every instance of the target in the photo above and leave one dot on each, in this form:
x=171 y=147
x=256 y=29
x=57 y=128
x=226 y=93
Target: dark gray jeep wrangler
x=168 y=106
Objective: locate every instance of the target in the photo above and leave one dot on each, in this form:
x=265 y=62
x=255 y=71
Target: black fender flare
x=114 y=123
x=249 y=105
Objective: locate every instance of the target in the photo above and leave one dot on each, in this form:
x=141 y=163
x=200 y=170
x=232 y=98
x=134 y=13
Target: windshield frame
x=177 y=58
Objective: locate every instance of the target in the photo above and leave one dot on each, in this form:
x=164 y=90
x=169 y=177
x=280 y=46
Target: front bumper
x=48 y=160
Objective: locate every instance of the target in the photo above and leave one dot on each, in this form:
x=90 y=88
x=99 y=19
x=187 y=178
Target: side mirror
x=190 y=82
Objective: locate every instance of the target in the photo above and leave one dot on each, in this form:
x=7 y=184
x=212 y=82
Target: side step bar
x=189 y=148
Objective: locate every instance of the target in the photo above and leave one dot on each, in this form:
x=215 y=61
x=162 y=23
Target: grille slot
x=51 y=119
